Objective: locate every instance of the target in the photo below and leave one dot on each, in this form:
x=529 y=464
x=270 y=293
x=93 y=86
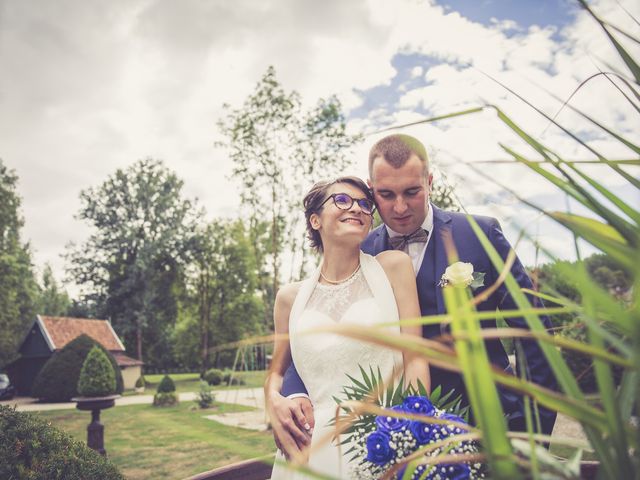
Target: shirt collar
x=427 y=224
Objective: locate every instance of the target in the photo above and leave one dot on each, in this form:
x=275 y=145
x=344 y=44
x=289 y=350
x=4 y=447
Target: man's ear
x=314 y=220
x=430 y=182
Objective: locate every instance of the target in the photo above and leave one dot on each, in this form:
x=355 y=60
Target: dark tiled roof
x=61 y=330
x=123 y=361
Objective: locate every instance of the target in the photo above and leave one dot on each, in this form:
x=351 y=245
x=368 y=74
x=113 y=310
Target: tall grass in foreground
x=613 y=326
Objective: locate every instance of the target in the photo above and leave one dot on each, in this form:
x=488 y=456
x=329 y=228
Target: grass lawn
x=189 y=382
x=171 y=442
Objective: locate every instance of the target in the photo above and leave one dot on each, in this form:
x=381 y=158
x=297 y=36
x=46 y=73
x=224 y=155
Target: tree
x=131 y=265
x=279 y=150
x=221 y=284
x=18 y=287
x=52 y=301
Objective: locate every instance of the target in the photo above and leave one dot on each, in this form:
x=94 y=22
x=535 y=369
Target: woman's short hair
x=314 y=199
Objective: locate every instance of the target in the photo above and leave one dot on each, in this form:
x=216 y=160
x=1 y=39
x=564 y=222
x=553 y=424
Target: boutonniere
x=461 y=274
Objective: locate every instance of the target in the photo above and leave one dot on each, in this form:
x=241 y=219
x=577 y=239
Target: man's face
x=401 y=194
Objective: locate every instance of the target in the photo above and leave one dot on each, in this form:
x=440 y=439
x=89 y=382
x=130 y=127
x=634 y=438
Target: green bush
x=97 y=378
x=166 y=385
x=205 y=398
x=581 y=365
x=228 y=379
x=31 y=449
x=213 y=376
x=165 y=399
x=141 y=382
x=57 y=381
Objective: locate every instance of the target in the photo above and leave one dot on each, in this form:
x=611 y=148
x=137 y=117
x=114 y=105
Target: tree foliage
x=18 y=287
x=278 y=150
x=131 y=265
x=53 y=301
x=221 y=305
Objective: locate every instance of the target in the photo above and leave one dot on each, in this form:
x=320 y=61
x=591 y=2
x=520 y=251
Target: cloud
x=104 y=84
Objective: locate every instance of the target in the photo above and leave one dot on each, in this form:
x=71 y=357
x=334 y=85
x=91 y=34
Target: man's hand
x=292 y=422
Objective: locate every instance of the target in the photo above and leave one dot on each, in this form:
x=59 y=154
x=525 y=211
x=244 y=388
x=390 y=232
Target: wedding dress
x=324 y=360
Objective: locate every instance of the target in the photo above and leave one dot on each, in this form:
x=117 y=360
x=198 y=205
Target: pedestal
x=95 y=430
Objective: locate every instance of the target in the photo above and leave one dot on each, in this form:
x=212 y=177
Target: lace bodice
x=324 y=360
x=334 y=300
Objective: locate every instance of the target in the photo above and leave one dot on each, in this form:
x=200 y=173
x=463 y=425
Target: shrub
x=97 y=378
x=166 y=385
x=228 y=379
x=165 y=399
x=58 y=378
x=581 y=365
x=205 y=398
x=213 y=376
x=31 y=449
x=141 y=382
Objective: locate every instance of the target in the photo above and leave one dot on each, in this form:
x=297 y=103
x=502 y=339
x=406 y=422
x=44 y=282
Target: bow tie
x=401 y=241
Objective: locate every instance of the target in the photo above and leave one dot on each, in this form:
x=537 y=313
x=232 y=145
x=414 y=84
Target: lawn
x=171 y=442
x=189 y=382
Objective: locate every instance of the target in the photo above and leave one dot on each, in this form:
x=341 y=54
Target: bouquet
x=379 y=443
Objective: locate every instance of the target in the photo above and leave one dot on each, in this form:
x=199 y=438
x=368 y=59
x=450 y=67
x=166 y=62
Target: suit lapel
x=381 y=242
x=441 y=228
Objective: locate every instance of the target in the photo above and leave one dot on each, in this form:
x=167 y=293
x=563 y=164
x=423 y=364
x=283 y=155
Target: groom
x=401 y=183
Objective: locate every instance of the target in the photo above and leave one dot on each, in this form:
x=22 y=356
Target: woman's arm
x=399 y=269
x=287 y=417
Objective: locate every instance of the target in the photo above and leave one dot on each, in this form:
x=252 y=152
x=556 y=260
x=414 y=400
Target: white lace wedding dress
x=324 y=360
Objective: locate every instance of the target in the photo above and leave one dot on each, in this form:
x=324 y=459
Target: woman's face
x=337 y=225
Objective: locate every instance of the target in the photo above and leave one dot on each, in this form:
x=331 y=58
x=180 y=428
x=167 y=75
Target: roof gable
x=61 y=330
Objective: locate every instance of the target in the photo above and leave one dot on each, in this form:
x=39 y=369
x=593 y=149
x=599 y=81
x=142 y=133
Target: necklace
x=337 y=282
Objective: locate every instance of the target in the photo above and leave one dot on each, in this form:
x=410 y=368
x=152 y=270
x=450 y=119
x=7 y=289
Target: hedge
x=31 y=449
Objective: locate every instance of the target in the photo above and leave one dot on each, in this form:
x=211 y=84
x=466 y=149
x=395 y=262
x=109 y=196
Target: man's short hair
x=396 y=150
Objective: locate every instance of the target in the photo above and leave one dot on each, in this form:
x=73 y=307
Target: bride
x=349 y=287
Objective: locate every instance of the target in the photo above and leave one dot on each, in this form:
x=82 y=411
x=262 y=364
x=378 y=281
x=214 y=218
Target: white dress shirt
x=416 y=250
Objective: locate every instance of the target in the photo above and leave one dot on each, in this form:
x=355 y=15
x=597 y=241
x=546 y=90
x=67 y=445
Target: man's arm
x=538 y=369
x=292 y=385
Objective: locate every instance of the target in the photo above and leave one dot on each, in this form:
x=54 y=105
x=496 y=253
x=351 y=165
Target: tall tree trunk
x=139 y=340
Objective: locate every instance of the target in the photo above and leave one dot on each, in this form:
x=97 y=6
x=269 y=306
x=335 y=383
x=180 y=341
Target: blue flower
x=423 y=432
x=391 y=424
x=452 y=429
x=453 y=471
x=378 y=449
x=418 y=404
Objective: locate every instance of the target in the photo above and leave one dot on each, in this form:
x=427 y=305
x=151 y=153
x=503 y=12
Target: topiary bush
x=141 y=382
x=213 y=376
x=57 y=381
x=31 y=449
x=166 y=385
x=166 y=395
x=97 y=378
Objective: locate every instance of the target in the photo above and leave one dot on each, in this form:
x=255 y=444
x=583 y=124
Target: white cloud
x=105 y=84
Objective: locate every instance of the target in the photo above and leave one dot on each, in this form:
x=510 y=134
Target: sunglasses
x=345 y=202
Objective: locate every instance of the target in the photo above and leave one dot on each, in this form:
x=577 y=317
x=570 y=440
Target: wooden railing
x=254 y=469
x=260 y=469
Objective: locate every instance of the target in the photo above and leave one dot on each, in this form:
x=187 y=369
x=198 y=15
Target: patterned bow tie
x=401 y=241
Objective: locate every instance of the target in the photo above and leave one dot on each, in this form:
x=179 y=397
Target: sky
x=88 y=87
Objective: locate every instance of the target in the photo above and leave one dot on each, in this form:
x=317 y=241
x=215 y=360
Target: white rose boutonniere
x=461 y=274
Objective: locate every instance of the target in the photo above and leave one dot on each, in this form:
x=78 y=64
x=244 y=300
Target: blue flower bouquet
x=381 y=444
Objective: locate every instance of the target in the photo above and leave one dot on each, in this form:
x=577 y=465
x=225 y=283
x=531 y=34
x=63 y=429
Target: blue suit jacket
x=469 y=250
